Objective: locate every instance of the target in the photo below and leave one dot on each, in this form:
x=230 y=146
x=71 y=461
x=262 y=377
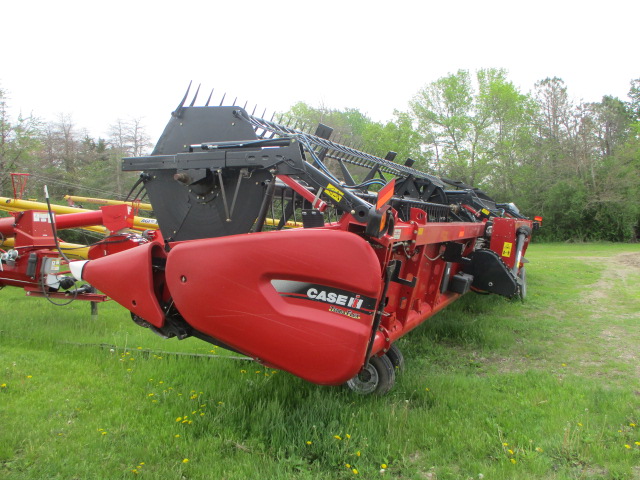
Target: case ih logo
x=324 y=294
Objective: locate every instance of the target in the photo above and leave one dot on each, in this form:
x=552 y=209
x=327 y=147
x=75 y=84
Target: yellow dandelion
x=358 y=453
x=309 y=442
x=202 y=414
x=513 y=460
x=637 y=443
x=355 y=471
x=348 y=436
x=347 y=465
x=104 y=433
x=139 y=348
x=337 y=437
x=4 y=385
x=384 y=465
x=539 y=450
x=134 y=471
x=177 y=435
x=426 y=389
x=505 y=444
x=141 y=463
x=151 y=395
x=579 y=424
x=510 y=451
x=627 y=446
x=632 y=424
x=179 y=419
x=29 y=376
x=185 y=460
x=564 y=364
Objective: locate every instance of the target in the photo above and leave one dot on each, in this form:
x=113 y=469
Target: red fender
x=300 y=300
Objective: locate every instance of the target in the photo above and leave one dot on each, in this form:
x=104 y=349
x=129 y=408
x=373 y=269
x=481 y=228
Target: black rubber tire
x=378 y=377
x=396 y=357
x=522 y=281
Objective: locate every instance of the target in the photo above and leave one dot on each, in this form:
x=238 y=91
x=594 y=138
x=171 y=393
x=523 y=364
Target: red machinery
x=325 y=302
x=35 y=260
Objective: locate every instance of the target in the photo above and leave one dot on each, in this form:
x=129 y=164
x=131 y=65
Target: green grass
x=552 y=384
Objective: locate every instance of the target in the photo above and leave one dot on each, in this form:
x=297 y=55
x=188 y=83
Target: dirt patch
x=629 y=260
x=619 y=336
x=611 y=332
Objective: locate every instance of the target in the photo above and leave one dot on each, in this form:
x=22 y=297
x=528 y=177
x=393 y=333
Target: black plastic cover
x=490 y=274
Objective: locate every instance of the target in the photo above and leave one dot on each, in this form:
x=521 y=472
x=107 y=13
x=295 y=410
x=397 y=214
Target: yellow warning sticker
x=333 y=192
x=485 y=211
x=506 y=249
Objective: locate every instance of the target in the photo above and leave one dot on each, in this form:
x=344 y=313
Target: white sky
x=100 y=61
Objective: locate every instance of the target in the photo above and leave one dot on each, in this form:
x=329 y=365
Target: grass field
x=493 y=389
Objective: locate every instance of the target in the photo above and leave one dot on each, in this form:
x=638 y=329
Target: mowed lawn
x=493 y=389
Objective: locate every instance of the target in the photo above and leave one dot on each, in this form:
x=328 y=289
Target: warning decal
x=506 y=249
x=333 y=192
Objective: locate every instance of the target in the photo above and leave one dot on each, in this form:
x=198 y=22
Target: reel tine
x=195 y=96
x=178 y=111
x=209 y=99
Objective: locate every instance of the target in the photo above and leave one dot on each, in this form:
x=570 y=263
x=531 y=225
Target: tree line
x=577 y=164
x=66 y=157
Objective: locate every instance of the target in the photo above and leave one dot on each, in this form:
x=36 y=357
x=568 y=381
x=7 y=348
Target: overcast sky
x=100 y=61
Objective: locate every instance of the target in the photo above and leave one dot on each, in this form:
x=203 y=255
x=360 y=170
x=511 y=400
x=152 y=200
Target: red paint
x=223 y=288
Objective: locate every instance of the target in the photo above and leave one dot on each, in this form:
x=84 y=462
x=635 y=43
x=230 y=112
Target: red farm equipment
x=382 y=247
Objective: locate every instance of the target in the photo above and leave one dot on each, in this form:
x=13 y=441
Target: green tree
x=352 y=127
x=473 y=127
x=18 y=144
